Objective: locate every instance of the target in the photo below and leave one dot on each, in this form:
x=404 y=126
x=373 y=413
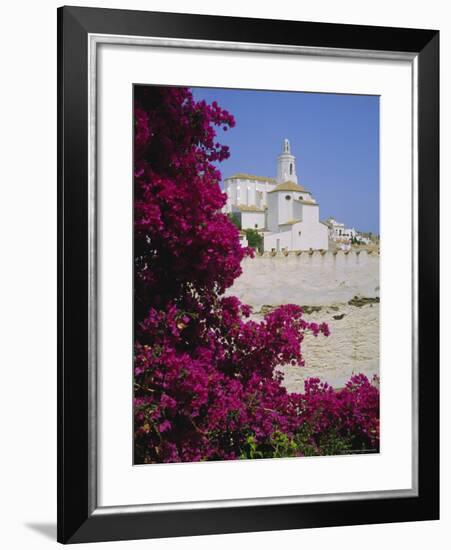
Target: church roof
x=311 y=202
x=248 y=208
x=290 y=222
x=289 y=186
x=242 y=176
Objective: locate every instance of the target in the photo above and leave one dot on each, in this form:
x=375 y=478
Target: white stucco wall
x=287 y=209
x=310 y=214
x=286 y=168
x=297 y=210
x=252 y=220
x=285 y=206
x=248 y=192
x=304 y=235
x=241 y=190
x=278 y=241
x=310 y=235
x=273 y=212
x=251 y=195
x=228 y=190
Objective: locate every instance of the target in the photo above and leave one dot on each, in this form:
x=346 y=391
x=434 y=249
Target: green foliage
x=332 y=443
x=254 y=239
x=303 y=443
x=235 y=218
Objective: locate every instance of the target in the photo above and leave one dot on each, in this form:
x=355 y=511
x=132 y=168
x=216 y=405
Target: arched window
x=288 y=197
x=291 y=169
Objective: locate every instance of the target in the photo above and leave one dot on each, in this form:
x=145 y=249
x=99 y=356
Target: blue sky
x=335 y=139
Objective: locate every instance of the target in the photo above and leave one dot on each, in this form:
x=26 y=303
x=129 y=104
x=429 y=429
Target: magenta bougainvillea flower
x=206 y=387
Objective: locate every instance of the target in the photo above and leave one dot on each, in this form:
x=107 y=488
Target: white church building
x=283 y=210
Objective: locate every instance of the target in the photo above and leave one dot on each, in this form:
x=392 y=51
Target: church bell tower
x=286 y=164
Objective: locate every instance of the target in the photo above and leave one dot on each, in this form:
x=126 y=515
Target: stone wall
x=318 y=278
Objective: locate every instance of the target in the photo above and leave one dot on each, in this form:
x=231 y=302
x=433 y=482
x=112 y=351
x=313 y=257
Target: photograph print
x=256 y=274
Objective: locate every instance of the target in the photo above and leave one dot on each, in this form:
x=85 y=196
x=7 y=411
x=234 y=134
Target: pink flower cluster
x=350 y=412
x=206 y=387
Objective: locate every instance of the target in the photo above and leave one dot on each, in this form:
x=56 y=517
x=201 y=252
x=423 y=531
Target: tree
x=254 y=239
x=205 y=385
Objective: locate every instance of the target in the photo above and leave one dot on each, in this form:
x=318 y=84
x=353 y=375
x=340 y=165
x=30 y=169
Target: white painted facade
x=243 y=240
x=307 y=233
x=247 y=190
x=338 y=232
x=253 y=220
x=343 y=236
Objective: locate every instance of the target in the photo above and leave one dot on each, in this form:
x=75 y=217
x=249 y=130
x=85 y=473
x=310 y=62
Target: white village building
x=338 y=232
x=285 y=211
x=343 y=235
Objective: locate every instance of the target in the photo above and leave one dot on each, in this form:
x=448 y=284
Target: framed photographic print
x=248 y=274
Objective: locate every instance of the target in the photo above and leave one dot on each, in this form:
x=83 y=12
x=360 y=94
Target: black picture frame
x=79 y=520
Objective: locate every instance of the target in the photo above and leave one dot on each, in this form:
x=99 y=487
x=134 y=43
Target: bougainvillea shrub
x=205 y=380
